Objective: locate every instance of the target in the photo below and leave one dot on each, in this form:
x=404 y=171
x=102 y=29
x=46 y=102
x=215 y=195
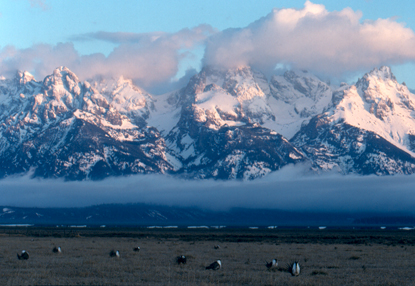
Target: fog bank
x=288 y=189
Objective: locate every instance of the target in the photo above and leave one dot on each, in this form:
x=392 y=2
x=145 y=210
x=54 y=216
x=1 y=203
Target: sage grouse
x=181 y=259
x=295 y=269
x=114 y=253
x=273 y=264
x=215 y=265
x=23 y=256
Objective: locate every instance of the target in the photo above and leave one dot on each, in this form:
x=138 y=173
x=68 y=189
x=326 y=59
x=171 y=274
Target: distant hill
x=144 y=215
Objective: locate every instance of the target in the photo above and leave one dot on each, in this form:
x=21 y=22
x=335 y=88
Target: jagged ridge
x=224 y=124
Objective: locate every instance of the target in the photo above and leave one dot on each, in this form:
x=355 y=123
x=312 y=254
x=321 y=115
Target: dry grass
x=86 y=261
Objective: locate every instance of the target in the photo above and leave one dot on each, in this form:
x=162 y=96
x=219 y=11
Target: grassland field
x=326 y=257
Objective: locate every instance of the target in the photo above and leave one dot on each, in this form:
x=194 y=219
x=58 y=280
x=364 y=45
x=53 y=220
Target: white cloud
x=150 y=59
x=328 y=43
x=312 y=38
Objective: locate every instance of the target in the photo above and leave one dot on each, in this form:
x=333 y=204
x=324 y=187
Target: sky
x=157 y=43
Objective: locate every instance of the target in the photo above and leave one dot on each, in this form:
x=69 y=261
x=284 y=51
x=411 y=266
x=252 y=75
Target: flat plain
x=326 y=257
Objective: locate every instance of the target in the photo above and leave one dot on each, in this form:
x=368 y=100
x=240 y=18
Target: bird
x=23 y=256
x=137 y=249
x=215 y=265
x=273 y=264
x=216 y=246
x=181 y=259
x=114 y=253
x=57 y=249
x=295 y=269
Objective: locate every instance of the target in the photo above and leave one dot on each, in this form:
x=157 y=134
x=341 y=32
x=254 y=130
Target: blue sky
x=26 y=24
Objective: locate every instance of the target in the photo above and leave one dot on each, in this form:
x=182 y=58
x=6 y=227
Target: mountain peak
x=24 y=77
x=212 y=71
x=62 y=76
x=63 y=71
x=384 y=73
x=126 y=82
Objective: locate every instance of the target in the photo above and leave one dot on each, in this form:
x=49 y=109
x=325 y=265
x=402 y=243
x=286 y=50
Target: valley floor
x=326 y=257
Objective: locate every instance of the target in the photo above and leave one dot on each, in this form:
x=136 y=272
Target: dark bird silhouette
x=57 y=249
x=273 y=264
x=215 y=265
x=137 y=249
x=216 y=246
x=114 y=253
x=23 y=256
x=181 y=259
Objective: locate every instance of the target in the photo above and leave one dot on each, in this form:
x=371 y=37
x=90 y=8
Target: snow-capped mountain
x=219 y=133
x=295 y=98
x=126 y=98
x=62 y=127
x=223 y=124
x=369 y=128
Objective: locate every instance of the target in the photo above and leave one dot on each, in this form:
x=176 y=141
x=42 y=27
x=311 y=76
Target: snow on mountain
x=62 y=127
x=368 y=129
x=126 y=98
x=295 y=98
x=224 y=124
x=59 y=97
x=378 y=103
x=166 y=113
x=231 y=97
x=219 y=133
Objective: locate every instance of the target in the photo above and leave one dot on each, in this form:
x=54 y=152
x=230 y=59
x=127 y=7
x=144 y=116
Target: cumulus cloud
x=312 y=38
x=40 y=59
x=328 y=43
x=291 y=188
x=150 y=59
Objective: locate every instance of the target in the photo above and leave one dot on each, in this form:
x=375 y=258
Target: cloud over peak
x=312 y=38
x=327 y=43
x=148 y=58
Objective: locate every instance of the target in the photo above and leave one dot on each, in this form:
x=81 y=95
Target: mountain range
x=224 y=124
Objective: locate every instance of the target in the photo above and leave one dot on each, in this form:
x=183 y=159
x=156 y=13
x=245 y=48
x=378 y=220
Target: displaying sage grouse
x=216 y=247
x=272 y=265
x=181 y=259
x=295 y=269
x=23 y=256
x=114 y=253
x=137 y=249
x=215 y=265
x=57 y=249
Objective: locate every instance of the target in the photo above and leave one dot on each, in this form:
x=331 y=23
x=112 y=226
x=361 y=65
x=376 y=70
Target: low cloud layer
x=314 y=39
x=289 y=189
